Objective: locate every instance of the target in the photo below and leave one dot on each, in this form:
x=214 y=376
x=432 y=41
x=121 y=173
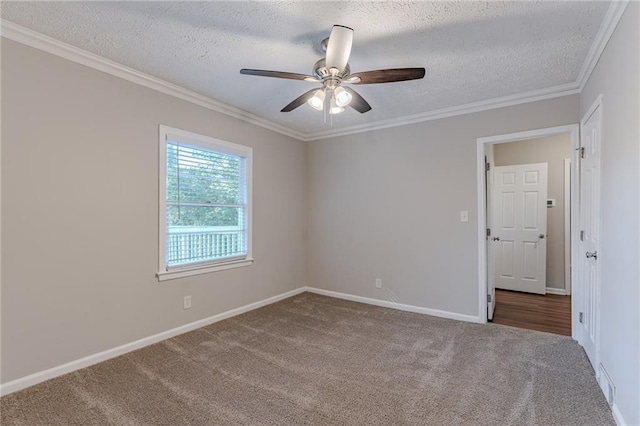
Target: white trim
x=575 y=227
x=597 y=103
x=567 y=226
x=483 y=286
x=166 y=133
x=489 y=104
x=172 y=274
x=394 y=305
x=528 y=134
x=573 y=131
x=55 y=47
x=0 y=211
x=558 y=291
x=489 y=154
x=50 y=45
x=609 y=24
x=33 y=379
x=617 y=415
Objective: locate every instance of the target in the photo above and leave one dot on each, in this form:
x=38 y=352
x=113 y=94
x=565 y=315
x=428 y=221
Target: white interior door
x=519 y=210
x=589 y=233
x=491 y=282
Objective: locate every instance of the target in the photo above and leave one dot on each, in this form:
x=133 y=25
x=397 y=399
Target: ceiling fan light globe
x=315 y=103
x=343 y=97
x=334 y=108
x=317 y=100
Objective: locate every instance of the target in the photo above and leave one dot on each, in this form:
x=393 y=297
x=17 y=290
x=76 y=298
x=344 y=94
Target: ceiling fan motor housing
x=321 y=71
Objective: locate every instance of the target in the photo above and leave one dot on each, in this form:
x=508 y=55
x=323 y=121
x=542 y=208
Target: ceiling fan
x=333 y=72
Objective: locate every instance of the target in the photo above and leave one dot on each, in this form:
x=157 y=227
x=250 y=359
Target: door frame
x=567 y=226
x=488 y=189
x=573 y=130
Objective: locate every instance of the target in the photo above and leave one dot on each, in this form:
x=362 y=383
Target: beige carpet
x=316 y=360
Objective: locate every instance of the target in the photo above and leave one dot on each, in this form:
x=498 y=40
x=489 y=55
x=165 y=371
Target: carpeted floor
x=316 y=360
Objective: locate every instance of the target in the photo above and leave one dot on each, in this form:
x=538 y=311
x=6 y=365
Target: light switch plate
x=464 y=216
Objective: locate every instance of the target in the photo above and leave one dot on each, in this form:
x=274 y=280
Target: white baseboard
x=558 y=291
x=34 y=379
x=617 y=416
x=395 y=305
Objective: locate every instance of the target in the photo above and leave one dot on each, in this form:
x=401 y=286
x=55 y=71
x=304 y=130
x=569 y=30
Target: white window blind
x=206 y=210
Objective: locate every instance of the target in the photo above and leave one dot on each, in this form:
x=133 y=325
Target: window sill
x=188 y=272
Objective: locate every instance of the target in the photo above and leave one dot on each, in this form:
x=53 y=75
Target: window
x=205 y=204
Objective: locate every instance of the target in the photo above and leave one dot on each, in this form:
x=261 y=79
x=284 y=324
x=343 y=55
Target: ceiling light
x=335 y=108
x=317 y=100
x=332 y=71
x=343 y=97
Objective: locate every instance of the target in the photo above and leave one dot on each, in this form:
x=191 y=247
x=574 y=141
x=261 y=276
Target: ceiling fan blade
x=279 y=74
x=385 y=76
x=300 y=100
x=357 y=102
x=339 y=47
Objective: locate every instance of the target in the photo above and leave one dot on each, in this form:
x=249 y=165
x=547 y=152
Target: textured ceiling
x=473 y=51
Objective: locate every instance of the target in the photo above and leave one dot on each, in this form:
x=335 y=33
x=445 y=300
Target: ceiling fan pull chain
x=327 y=105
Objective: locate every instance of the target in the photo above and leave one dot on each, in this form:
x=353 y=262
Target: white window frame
x=169 y=133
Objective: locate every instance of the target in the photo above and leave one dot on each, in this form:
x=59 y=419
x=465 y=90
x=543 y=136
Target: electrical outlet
x=378 y=283
x=187 y=302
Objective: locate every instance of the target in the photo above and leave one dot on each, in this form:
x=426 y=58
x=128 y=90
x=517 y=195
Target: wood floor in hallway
x=550 y=313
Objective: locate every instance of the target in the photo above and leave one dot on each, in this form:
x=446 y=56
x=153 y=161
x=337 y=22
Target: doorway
x=526 y=231
x=550 y=313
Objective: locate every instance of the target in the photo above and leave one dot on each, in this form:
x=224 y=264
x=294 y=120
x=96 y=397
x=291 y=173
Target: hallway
x=550 y=313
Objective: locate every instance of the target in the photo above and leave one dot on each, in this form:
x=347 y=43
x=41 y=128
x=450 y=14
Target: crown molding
x=609 y=24
x=489 y=104
x=50 y=45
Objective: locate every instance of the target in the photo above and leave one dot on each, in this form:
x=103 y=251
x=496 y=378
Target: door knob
x=496 y=238
x=541 y=236
x=594 y=255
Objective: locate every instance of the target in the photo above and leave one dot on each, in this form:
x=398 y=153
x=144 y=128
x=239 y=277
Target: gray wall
x=80 y=213
x=616 y=77
x=551 y=150
x=385 y=204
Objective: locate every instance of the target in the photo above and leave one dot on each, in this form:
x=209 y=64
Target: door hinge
x=487 y=167
x=488 y=232
x=581 y=235
x=488 y=298
x=580 y=316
